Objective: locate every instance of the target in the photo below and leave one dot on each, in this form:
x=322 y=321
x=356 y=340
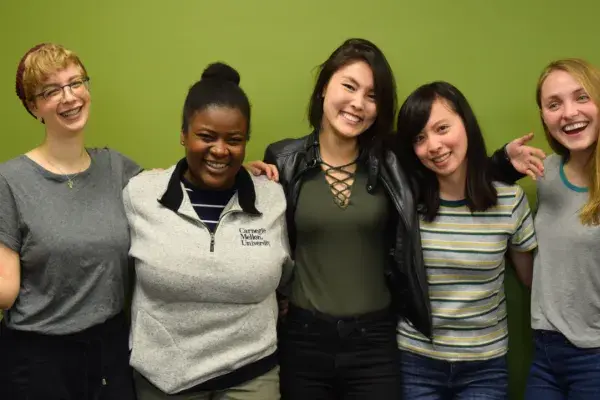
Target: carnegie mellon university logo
x=254 y=237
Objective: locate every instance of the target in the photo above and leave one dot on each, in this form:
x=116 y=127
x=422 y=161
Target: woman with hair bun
x=210 y=247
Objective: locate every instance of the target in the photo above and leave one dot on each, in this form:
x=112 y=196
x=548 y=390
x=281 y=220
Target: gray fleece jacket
x=199 y=310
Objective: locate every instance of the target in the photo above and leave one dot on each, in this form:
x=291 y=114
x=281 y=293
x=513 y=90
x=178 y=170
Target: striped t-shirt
x=464 y=256
x=208 y=204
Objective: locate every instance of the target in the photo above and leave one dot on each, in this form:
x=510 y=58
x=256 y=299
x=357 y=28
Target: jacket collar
x=173 y=195
x=311 y=149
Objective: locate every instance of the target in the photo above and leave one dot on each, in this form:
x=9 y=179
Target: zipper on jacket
x=405 y=222
x=212 y=242
x=212 y=233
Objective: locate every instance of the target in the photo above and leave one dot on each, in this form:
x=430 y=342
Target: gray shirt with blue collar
x=565 y=295
x=204 y=303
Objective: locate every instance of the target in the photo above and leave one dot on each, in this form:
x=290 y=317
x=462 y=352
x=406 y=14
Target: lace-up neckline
x=340 y=180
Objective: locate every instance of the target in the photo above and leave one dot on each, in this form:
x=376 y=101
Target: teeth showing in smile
x=574 y=126
x=440 y=159
x=216 y=165
x=71 y=112
x=351 y=117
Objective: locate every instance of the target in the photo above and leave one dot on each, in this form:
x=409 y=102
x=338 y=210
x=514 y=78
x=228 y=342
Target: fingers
x=524 y=139
x=515 y=147
x=535 y=172
x=539 y=154
x=535 y=160
x=269 y=171
x=275 y=173
x=260 y=165
x=252 y=170
x=537 y=166
x=258 y=168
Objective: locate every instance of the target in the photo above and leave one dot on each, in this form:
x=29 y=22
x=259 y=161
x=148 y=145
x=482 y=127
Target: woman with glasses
x=64 y=245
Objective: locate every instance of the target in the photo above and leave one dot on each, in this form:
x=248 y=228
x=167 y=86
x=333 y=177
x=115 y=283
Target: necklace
x=69 y=177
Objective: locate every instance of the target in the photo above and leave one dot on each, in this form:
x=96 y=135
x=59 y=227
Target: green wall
x=143 y=55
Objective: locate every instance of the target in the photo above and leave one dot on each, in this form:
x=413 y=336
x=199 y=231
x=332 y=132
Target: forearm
x=523 y=264
x=8 y=292
x=10 y=276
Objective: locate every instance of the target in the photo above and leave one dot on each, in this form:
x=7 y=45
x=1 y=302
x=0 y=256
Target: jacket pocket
x=154 y=353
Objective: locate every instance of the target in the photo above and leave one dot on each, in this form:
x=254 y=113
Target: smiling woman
x=213 y=166
x=63 y=246
x=209 y=256
x=467 y=223
x=353 y=232
x=566 y=280
x=215 y=128
x=38 y=79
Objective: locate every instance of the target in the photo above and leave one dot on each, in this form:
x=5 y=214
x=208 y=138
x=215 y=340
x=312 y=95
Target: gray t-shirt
x=566 y=275
x=73 y=243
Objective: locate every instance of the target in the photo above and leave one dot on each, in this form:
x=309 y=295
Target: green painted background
x=143 y=55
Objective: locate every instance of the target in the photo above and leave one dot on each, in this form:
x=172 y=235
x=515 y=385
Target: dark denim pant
x=561 y=371
x=88 y=365
x=425 y=378
x=324 y=358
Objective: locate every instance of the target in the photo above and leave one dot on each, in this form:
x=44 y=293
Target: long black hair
x=412 y=118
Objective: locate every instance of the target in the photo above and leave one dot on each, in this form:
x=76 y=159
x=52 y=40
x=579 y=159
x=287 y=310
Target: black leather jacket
x=405 y=273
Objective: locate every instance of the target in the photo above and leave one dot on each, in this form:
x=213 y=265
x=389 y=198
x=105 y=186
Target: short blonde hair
x=38 y=64
x=589 y=77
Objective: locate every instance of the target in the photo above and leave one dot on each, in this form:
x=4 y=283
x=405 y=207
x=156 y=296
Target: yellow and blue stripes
x=464 y=256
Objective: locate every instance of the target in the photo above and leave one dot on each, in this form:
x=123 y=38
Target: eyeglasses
x=56 y=92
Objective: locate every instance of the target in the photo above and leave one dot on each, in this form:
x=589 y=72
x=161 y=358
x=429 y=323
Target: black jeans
x=323 y=357
x=88 y=365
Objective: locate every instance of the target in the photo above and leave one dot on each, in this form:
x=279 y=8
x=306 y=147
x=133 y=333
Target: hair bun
x=221 y=71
